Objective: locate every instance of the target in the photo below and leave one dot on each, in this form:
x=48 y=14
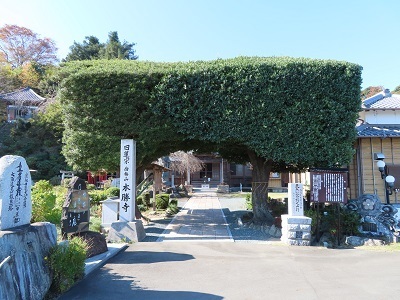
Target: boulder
x=95 y=240
x=24 y=272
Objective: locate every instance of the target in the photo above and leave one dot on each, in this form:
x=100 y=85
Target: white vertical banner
x=127 y=184
x=295 y=200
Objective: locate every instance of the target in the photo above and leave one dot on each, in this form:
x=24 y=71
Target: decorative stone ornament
x=15 y=192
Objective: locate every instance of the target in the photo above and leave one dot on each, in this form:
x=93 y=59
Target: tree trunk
x=260 y=174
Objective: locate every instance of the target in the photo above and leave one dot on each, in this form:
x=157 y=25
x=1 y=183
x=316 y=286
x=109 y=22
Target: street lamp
x=389 y=179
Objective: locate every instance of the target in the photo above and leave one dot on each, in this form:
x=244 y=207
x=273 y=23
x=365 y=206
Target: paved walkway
x=201 y=219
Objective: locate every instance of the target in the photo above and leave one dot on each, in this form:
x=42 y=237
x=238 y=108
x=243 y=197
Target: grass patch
x=386 y=248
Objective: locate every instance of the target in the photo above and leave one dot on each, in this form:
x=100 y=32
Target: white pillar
x=127 y=181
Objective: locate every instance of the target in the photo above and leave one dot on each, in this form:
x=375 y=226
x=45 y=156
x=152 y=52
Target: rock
x=278 y=233
x=23 y=270
x=354 y=241
x=265 y=229
x=362 y=241
x=96 y=242
x=373 y=242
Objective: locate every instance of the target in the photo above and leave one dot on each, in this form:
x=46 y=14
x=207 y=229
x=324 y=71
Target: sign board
x=328 y=185
x=295 y=200
x=76 y=208
x=127 y=184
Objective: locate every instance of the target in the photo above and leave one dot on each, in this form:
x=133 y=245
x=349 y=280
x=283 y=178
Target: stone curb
x=99 y=260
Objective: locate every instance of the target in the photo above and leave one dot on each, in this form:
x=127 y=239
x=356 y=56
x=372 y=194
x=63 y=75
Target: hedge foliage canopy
x=294 y=112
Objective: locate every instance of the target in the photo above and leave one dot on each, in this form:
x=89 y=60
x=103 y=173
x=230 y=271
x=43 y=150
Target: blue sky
x=359 y=31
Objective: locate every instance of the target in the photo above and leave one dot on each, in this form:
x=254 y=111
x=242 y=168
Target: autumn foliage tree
x=20 y=45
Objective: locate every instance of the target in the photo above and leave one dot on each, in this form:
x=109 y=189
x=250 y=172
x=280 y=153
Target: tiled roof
x=382 y=100
x=370 y=130
x=26 y=94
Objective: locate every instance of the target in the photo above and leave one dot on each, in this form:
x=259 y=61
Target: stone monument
x=76 y=208
x=296 y=228
x=15 y=192
x=23 y=246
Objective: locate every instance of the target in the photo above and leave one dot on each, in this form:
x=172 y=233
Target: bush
x=172 y=208
x=90 y=187
x=142 y=207
x=146 y=198
x=276 y=207
x=249 y=204
x=162 y=201
x=139 y=200
x=44 y=207
x=112 y=191
x=329 y=221
x=95 y=224
x=67 y=263
x=96 y=196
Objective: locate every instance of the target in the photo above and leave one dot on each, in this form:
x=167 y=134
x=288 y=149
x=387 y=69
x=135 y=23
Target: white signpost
x=128 y=228
x=127 y=183
x=296 y=227
x=295 y=201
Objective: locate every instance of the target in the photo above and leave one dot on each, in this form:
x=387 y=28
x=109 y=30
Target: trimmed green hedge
x=295 y=112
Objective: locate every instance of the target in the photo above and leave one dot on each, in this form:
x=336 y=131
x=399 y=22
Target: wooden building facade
x=378 y=132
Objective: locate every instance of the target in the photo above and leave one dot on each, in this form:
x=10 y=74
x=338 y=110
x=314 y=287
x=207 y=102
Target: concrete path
x=220 y=270
x=206 y=267
x=201 y=219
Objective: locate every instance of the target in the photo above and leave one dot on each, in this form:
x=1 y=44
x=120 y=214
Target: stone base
x=296 y=230
x=24 y=272
x=222 y=188
x=126 y=232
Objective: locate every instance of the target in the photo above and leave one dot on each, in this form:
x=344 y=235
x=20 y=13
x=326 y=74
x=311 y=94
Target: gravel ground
x=233 y=209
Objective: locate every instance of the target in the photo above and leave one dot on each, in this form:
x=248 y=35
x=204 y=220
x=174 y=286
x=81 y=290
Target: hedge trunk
x=260 y=174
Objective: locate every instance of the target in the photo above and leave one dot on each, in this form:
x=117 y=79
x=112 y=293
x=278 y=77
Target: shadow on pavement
x=155 y=228
x=114 y=286
x=148 y=257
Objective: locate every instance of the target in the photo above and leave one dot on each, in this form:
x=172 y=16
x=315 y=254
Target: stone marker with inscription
x=15 y=192
x=24 y=273
x=76 y=208
x=296 y=228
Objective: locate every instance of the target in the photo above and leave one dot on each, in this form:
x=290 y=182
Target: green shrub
x=173 y=202
x=90 y=187
x=249 y=204
x=142 y=207
x=276 y=207
x=146 y=198
x=312 y=213
x=162 y=201
x=139 y=200
x=66 y=182
x=44 y=207
x=96 y=196
x=55 y=180
x=330 y=222
x=95 y=224
x=67 y=263
x=112 y=191
x=172 y=208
